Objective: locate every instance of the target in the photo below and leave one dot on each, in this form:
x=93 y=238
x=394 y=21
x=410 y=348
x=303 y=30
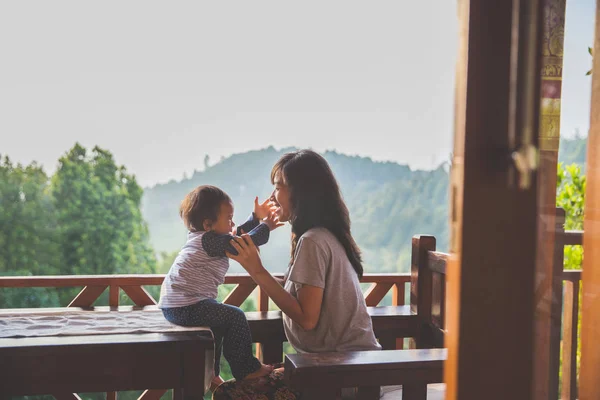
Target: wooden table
x=62 y=365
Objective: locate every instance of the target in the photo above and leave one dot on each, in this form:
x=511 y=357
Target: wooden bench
x=389 y=323
x=323 y=375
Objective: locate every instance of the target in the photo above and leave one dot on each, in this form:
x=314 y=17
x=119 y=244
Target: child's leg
x=226 y=322
x=230 y=323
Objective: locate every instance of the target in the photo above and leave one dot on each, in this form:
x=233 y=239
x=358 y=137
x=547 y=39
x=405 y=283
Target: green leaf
x=590 y=50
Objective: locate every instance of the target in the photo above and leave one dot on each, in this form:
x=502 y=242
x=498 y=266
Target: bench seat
x=413 y=369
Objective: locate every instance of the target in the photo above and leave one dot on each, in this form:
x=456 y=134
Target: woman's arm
x=304 y=311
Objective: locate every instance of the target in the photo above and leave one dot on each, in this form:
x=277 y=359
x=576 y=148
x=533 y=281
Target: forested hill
x=388 y=204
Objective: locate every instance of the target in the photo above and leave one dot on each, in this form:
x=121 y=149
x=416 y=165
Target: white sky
x=161 y=84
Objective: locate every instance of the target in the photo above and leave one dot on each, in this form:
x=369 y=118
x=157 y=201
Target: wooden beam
x=590 y=320
x=493 y=206
x=240 y=293
x=87 y=296
x=113 y=298
x=80 y=280
x=549 y=286
x=569 y=338
x=376 y=293
x=139 y=295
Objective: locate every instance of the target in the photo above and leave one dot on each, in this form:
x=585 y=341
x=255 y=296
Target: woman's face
x=281 y=198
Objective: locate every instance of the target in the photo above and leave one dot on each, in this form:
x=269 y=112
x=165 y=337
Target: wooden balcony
x=266 y=324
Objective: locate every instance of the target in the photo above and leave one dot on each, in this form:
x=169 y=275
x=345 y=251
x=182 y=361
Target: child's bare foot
x=214 y=384
x=262 y=371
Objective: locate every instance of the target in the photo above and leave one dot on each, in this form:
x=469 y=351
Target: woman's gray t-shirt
x=344 y=323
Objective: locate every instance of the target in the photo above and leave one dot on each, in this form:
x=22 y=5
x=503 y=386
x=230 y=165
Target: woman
x=322 y=303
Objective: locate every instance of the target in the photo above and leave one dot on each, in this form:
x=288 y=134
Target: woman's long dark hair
x=316 y=200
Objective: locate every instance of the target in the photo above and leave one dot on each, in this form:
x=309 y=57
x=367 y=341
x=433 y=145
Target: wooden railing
x=571 y=280
x=133 y=286
x=380 y=286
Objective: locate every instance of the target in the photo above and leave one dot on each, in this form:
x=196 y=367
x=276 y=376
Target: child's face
x=224 y=223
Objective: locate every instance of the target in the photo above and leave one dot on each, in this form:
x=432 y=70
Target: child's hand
x=261 y=211
x=272 y=221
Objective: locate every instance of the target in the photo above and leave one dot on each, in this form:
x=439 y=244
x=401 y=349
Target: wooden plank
x=438 y=302
x=139 y=295
x=572 y=238
x=492 y=219
x=398 y=299
x=421 y=284
x=437 y=261
x=80 y=280
x=569 y=341
x=112 y=395
x=240 y=293
x=590 y=319
x=548 y=282
x=364 y=368
x=87 y=296
x=243 y=279
x=572 y=275
x=398 y=294
x=556 y=306
x=376 y=293
x=263 y=300
x=263 y=305
x=113 y=297
x=149 y=280
x=385 y=278
x=194 y=366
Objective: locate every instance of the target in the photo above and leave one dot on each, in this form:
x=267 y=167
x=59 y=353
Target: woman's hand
x=248 y=255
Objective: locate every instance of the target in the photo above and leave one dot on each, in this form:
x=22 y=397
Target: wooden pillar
x=490 y=280
x=590 y=320
x=548 y=286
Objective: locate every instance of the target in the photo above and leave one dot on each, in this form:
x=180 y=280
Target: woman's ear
x=207 y=225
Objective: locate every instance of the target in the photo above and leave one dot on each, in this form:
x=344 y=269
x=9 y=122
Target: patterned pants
x=230 y=329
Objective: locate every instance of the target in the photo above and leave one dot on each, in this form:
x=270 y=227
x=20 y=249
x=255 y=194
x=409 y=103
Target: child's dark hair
x=201 y=204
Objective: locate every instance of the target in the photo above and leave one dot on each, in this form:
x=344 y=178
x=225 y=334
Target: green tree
x=97 y=205
x=28 y=229
x=570 y=196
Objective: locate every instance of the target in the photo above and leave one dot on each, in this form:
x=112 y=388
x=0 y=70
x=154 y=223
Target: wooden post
x=555 y=315
x=493 y=222
x=421 y=284
x=547 y=314
x=590 y=320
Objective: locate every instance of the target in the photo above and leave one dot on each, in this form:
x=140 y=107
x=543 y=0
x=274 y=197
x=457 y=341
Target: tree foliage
x=85 y=219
